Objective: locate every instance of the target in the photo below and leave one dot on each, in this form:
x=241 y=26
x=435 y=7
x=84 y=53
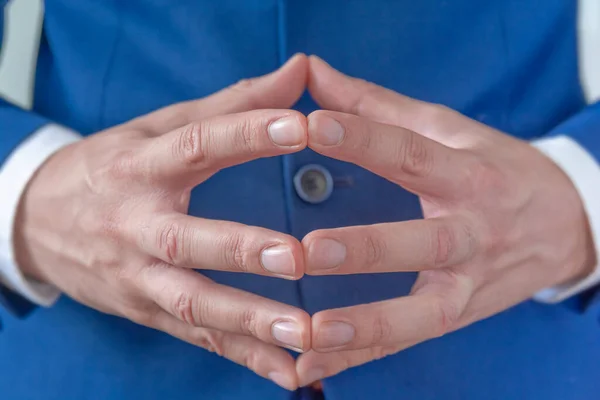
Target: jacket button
x=313 y=183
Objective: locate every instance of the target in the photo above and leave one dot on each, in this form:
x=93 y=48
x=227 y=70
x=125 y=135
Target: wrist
x=34 y=229
x=15 y=178
x=22 y=243
x=582 y=227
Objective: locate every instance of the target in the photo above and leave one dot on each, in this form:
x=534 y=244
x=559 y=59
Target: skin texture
x=104 y=220
x=502 y=221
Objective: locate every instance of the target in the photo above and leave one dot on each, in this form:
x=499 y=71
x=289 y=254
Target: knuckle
x=445 y=316
x=382 y=331
x=107 y=222
x=245 y=134
x=249 y=322
x=124 y=165
x=252 y=359
x=139 y=316
x=126 y=276
x=245 y=88
x=375 y=250
x=443 y=245
x=170 y=242
x=237 y=253
x=366 y=140
x=368 y=92
x=470 y=244
x=111 y=225
x=210 y=340
x=483 y=178
x=190 y=146
x=187 y=308
x=412 y=156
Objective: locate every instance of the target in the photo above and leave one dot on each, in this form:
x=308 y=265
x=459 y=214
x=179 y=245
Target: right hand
x=104 y=220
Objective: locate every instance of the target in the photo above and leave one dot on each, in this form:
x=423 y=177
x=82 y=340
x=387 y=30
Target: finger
x=200 y=302
x=279 y=89
x=313 y=366
x=336 y=91
x=265 y=360
x=430 y=312
x=392 y=247
x=415 y=162
x=198 y=243
x=187 y=156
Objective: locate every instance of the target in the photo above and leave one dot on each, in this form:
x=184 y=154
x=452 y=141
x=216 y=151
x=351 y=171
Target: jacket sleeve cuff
x=584 y=171
x=15 y=173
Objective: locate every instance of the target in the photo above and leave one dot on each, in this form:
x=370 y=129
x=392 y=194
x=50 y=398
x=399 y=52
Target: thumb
x=279 y=89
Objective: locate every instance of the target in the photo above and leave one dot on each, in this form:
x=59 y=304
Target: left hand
x=502 y=222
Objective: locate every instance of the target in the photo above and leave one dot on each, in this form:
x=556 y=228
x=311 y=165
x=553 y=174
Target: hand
x=104 y=220
x=502 y=221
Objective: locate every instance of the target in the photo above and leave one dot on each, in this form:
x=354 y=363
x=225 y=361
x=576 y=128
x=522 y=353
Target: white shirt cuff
x=584 y=172
x=15 y=173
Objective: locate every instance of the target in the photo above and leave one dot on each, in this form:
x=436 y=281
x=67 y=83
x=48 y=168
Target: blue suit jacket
x=511 y=64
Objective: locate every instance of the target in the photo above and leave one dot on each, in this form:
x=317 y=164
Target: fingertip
x=316 y=66
x=298 y=64
x=298 y=59
x=292 y=330
x=324 y=130
x=287 y=84
x=284 y=259
x=299 y=261
x=305 y=321
x=331 y=331
x=309 y=370
x=298 y=254
x=323 y=253
x=318 y=72
x=286 y=381
x=289 y=131
x=316 y=61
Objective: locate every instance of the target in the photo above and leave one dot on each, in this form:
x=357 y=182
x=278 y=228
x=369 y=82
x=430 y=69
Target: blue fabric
x=15 y=125
x=584 y=128
x=511 y=64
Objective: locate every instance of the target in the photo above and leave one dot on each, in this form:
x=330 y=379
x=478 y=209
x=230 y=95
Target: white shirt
x=20 y=166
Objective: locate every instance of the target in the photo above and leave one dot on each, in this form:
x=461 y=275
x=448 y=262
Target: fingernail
x=325 y=130
x=325 y=254
x=282 y=380
x=278 y=260
x=313 y=375
x=288 y=333
x=333 y=334
x=286 y=132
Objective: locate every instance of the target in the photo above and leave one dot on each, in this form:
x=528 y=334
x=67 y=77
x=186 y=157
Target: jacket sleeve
x=574 y=146
x=26 y=140
x=15 y=124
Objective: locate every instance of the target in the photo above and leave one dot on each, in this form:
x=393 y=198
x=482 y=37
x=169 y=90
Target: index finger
x=189 y=155
x=333 y=90
x=190 y=242
x=278 y=89
x=418 y=164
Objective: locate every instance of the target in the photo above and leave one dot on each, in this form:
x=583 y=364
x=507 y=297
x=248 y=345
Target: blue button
x=313 y=183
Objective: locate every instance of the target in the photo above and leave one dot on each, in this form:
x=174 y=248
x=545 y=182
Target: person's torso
x=511 y=64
